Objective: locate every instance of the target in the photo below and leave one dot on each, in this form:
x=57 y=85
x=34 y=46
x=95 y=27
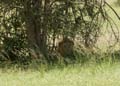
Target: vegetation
x=33 y=29
x=59 y=42
x=118 y=2
x=105 y=74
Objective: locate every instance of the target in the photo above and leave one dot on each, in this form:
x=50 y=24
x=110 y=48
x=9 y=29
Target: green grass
x=104 y=74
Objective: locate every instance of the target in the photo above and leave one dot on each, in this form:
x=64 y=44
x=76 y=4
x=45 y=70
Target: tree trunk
x=36 y=26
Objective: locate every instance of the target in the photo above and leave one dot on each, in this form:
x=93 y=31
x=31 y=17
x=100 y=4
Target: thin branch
x=112 y=10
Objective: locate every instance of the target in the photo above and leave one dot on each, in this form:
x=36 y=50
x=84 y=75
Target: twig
x=112 y=10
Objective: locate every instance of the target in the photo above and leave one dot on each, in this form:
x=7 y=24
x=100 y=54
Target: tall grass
x=105 y=74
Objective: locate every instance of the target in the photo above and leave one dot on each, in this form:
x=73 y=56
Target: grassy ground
x=105 y=74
